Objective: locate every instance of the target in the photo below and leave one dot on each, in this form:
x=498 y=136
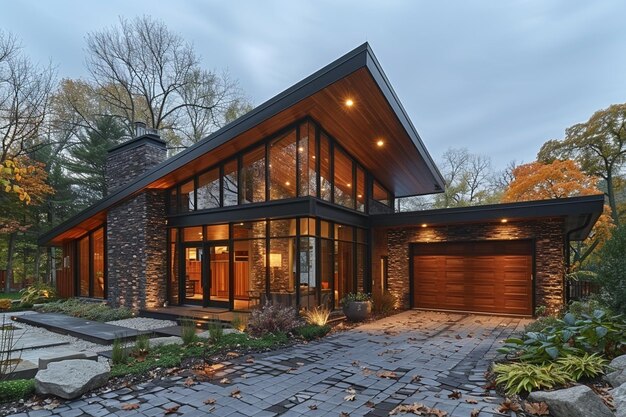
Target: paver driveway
x=430 y=354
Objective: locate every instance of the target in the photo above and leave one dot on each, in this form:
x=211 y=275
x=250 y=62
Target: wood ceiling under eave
x=357 y=128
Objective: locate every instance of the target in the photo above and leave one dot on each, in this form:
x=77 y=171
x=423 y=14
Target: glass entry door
x=206 y=273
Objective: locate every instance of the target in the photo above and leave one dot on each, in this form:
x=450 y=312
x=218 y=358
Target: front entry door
x=207 y=274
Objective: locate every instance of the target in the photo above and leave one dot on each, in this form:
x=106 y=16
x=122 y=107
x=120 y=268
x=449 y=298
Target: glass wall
x=91 y=270
x=298 y=262
x=301 y=161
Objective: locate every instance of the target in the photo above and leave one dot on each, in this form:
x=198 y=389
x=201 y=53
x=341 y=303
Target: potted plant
x=357 y=306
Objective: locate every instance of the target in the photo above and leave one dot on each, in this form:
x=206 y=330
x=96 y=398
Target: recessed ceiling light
x=349 y=102
x=287 y=183
x=349 y=185
x=313 y=156
x=424 y=225
x=504 y=220
x=301 y=149
x=360 y=196
x=380 y=142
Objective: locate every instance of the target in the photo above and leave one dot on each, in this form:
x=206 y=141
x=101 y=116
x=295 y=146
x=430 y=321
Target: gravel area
x=141 y=323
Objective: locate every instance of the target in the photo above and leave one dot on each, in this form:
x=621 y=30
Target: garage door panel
x=491 y=277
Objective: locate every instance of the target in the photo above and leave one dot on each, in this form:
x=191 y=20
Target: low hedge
x=15 y=390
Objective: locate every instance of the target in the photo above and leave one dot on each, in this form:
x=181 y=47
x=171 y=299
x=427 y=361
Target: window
x=187 y=197
x=192 y=234
x=91 y=270
x=325 y=179
x=208 y=193
x=307 y=173
x=380 y=194
x=282 y=166
x=360 y=189
x=173 y=277
x=252 y=178
x=344 y=180
x=230 y=184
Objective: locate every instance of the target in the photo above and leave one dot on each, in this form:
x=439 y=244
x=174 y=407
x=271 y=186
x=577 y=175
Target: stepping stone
x=71 y=379
x=44 y=361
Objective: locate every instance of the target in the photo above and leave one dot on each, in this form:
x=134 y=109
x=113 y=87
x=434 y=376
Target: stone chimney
x=132 y=158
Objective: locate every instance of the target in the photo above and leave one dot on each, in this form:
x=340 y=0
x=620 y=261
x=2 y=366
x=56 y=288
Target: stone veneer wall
x=136 y=251
x=136 y=230
x=549 y=255
x=125 y=165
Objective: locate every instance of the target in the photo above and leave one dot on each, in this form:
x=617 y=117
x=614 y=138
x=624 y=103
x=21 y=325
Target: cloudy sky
x=498 y=77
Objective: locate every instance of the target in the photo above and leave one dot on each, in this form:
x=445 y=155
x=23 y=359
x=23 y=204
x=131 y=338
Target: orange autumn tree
x=561 y=179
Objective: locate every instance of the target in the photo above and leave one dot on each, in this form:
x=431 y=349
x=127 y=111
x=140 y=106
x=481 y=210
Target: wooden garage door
x=491 y=277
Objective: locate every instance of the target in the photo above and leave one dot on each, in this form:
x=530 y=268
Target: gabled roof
x=377 y=112
x=579 y=214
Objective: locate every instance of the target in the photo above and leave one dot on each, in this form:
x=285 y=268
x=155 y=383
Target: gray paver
x=447 y=352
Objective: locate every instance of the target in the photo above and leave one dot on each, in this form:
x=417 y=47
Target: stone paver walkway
x=409 y=357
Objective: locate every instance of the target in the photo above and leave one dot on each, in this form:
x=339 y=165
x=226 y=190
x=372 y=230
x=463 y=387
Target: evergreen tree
x=87 y=159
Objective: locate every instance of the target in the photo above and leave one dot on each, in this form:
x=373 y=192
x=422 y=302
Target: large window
x=302 y=161
x=91 y=268
x=298 y=262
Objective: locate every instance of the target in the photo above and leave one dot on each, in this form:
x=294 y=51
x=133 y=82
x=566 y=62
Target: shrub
x=5 y=303
x=355 y=296
x=239 y=322
x=586 y=307
x=88 y=310
x=524 y=377
x=142 y=345
x=272 y=318
x=216 y=331
x=541 y=324
x=610 y=269
x=312 y=331
x=188 y=331
x=317 y=315
x=16 y=389
x=26 y=306
x=587 y=365
x=384 y=303
x=119 y=353
x=37 y=293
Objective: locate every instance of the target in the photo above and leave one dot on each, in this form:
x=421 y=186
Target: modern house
x=293 y=203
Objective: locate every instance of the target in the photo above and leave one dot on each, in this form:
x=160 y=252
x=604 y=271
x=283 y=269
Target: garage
x=480 y=276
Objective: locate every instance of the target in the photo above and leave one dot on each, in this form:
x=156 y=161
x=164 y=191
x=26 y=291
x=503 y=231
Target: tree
x=145 y=72
x=560 y=179
x=599 y=146
x=86 y=160
x=610 y=270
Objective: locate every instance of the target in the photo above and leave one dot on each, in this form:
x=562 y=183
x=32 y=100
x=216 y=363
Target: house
x=293 y=203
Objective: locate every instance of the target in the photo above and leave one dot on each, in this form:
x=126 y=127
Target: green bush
x=587 y=366
x=541 y=324
x=37 y=293
x=525 y=377
x=239 y=322
x=312 y=331
x=384 y=303
x=119 y=355
x=87 y=310
x=611 y=270
x=16 y=389
x=355 y=296
x=142 y=345
x=216 y=331
x=188 y=331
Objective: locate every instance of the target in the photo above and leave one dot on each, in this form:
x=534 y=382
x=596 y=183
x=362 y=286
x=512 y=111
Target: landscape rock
x=578 y=401
x=206 y=334
x=70 y=379
x=619 y=399
x=23 y=370
x=160 y=341
x=617 y=376
x=44 y=361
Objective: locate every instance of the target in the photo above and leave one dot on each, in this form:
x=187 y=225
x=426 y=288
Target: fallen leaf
x=349 y=397
x=250 y=359
x=232 y=355
x=300 y=363
x=172 y=410
x=387 y=374
x=539 y=409
x=344 y=414
x=209 y=401
x=456 y=394
x=475 y=412
x=235 y=393
x=457 y=337
x=313 y=407
x=507 y=406
x=189 y=382
x=370 y=404
x=224 y=381
x=355 y=363
x=130 y=406
x=416 y=378
x=471 y=401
